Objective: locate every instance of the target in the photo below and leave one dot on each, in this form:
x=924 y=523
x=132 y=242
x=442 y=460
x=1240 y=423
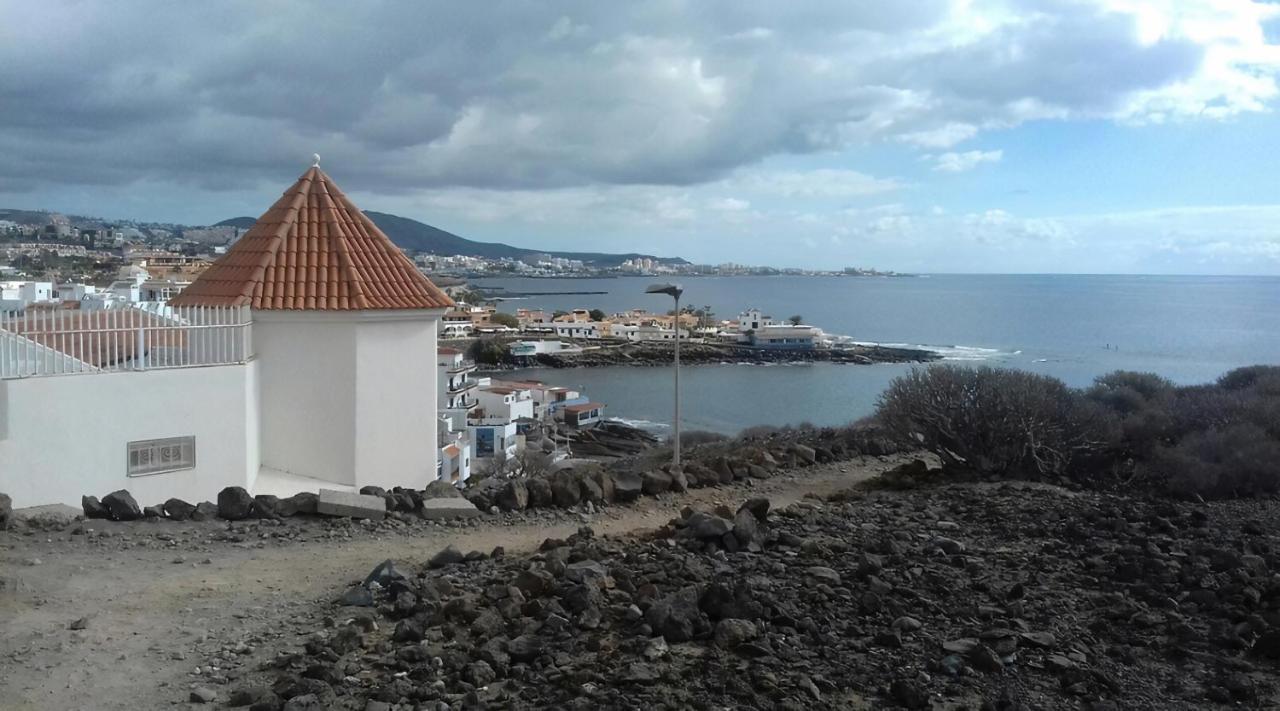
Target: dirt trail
x=154 y=615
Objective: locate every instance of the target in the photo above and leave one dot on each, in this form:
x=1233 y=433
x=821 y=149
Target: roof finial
x=316 y=158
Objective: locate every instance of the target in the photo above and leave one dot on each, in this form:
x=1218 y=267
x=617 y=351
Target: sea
x=1190 y=329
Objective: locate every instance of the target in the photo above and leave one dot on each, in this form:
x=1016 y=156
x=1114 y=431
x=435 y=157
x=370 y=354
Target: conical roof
x=314 y=250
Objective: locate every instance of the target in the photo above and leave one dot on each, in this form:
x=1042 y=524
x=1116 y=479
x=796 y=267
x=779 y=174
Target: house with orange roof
x=292 y=363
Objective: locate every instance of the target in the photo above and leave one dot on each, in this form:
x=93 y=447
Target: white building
x=786 y=336
x=455 y=389
x=646 y=332
x=753 y=319
x=18 y=295
x=308 y=335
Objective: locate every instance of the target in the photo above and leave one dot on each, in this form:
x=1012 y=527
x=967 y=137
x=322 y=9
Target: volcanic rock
x=121 y=506
x=234 y=503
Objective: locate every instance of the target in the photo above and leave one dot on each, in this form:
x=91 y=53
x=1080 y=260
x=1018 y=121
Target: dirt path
x=155 y=615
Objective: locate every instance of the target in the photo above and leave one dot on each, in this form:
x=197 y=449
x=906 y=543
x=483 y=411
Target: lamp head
x=672 y=290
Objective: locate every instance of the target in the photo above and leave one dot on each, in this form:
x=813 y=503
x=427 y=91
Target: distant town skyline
x=1114 y=136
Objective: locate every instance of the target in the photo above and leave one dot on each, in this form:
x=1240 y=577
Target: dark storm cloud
x=525 y=94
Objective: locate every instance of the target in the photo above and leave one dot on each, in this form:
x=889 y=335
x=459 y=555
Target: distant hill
x=242 y=223
x=421 y=237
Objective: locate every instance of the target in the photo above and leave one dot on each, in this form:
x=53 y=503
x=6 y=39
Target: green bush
x=488 y=351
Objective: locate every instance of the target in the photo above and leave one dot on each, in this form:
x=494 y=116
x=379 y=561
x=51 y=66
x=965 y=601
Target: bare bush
x=1239 y=460
x=997 y=421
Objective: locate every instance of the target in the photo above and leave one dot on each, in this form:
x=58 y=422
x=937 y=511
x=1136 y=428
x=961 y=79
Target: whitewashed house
x=292 y=363
x=455 y=389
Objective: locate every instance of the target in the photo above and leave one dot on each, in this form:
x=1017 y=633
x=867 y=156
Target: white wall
x=349 y=397
x=396 y=399
x=65 y=436
x=306 y=366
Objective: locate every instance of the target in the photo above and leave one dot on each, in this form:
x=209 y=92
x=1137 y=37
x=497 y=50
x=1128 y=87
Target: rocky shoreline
x=650 y=353
x=1009 y=597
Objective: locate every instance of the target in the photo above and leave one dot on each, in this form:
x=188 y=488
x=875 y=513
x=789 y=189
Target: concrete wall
x=305 y=366
x=396 y=381
x=65 y=436
x=349 y=397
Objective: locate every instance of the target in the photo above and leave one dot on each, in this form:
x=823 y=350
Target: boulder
x=205 y=511
x=758 y=506
x=591 y=492
x=152 y=512
x=440 y=490
x=234 y=503
x=732 y=632
x=746 y=528
x=6 y=512
x=177 y=509
x=303 y=502
x=565 y=489
x=705 y=526
x=677 y=618
x=121 y=506
x=540 y=496
x=679 y=481
x=448 y=555
x=605 y=482
x=93 y=508
x=265 y=506
x=373 y=491
x=723 y=470
x=627 y=486
x=805 y=455
x=655 y=482
x=513 y=496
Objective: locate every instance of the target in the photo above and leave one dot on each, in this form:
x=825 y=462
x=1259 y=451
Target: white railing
x=40 y=342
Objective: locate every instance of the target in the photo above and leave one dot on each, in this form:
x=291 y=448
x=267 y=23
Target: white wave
x=960 y=353
x=639 y=424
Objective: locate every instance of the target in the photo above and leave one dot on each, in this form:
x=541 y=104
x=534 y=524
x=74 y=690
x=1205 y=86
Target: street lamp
x=674 y=291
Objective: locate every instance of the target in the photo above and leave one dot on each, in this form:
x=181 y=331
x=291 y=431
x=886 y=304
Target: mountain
x=417 y=236
x=242 y=223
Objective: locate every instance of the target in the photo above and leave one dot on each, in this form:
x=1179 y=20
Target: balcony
x=36 y=343
x=462 y=387
x=465 y=366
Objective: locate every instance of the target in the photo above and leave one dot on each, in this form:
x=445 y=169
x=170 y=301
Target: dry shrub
x=995 y=421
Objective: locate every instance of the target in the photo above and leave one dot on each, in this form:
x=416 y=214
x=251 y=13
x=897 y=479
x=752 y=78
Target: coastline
x=652 y=353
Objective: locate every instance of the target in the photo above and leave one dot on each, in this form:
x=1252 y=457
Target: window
x=156 y=456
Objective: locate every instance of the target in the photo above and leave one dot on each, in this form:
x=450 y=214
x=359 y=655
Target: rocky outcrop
x=652 y=353
x=6 y=512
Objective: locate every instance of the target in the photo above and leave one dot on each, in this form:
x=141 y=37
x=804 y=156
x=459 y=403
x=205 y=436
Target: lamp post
x=674 y=291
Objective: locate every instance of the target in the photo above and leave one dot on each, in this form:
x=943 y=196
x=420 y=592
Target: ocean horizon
x=1190 y=329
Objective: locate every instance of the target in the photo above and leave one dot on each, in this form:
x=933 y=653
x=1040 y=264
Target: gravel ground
x=105 y=615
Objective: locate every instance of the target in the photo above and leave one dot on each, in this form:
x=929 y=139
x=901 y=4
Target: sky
x=1078 y=136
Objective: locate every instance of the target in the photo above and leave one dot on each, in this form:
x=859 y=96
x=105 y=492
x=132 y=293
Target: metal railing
x=42 y=342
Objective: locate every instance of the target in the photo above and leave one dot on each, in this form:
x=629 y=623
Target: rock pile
x=1006 y=597
x=622 y=483
x=236 y=504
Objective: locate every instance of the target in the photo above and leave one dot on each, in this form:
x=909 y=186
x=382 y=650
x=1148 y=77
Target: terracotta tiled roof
x=314 y=250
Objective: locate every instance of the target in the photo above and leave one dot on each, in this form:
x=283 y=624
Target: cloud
x=962 y=162
x=405 y=97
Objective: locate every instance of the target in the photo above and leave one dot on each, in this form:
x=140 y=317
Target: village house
x=292 y=363
x=455 y=389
